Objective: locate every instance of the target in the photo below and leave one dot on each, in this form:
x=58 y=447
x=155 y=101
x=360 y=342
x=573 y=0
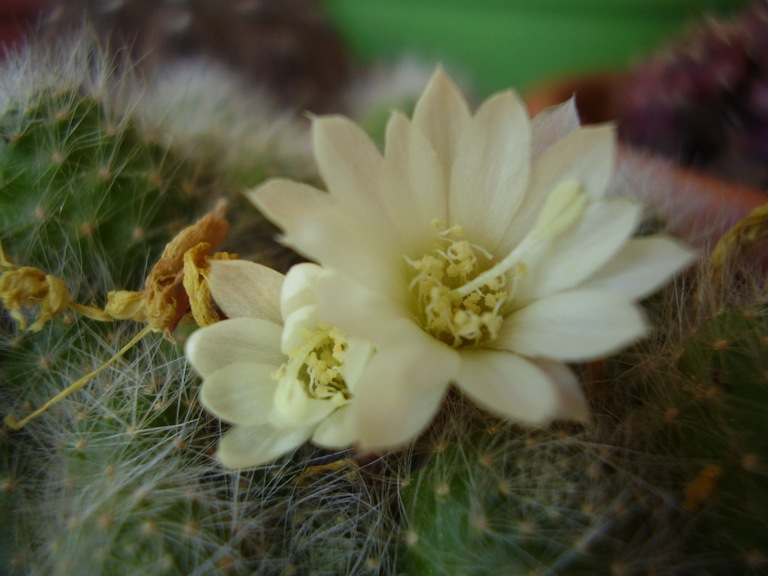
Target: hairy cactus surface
x=119 y=477
x=76 y=179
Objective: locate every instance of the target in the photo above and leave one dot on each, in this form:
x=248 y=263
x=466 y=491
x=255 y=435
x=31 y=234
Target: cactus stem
x=15 y=424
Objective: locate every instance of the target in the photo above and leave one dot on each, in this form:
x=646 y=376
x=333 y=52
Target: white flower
x=280 y=385
x=478 y=250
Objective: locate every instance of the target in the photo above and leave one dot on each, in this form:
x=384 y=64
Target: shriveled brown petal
x=167 y=301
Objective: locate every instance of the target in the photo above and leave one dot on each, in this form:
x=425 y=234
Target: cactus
x=118 y=478
x=495 y=499
x=716 y=429
x=670 y=476
x=76 y=179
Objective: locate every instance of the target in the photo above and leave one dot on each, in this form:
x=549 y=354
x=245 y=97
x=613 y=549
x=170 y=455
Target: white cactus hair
x=200 y=104
x=120 y=477
x=76 y=62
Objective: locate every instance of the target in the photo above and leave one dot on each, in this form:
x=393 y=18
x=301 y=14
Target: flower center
x=461 y=292
x=317 y=365
x=452 y=303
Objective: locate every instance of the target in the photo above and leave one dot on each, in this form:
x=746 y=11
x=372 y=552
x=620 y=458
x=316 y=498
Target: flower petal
x=356 y=358
x=294 y=408
x=246 y=289
x=586 y=155
x=218 y=345
x=572 y=404
x=413 y=188
x=355 y=310
x=338 y=430
x=240 y=393
x=508 y=385
x=347 y=159
x=299 y=287
x=490 y=172
x=403 y=385
x=572 y=326
x=441 y=115
x=642 y=266
x=551 y=125
x=399 y=394
x=297 y=325
x=291 y=205
x=249 y=446
x=567 y=260
x=359 y=243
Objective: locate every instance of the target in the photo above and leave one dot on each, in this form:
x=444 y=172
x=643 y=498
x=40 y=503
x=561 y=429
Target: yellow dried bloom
x=25 y=286
x=196 y=272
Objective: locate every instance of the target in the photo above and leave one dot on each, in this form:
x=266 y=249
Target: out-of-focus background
x=683 y=79
x=497 y=43
x=502 y=43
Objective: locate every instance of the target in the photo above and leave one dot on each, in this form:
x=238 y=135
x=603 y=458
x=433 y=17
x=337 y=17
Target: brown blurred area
x=286 y=48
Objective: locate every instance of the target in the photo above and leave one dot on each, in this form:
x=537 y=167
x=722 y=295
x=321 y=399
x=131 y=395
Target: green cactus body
x=114 y=480
x=74 y=179
x=495 y=499
x=119 y=478
x=720 y=431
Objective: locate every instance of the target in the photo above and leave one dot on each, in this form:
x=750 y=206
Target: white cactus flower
x=272 y=369
x=478 y=250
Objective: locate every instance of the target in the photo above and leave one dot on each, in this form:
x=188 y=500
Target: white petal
x=356 y=358
x=249 y=446
x=297 y=325
x=413 y=191
x=297 y=209
x=441 y=114
x=551 y=125
x=234 y=340
x=362 y=244
x=246 y=289
x=240 y=393
x=572 y=326
x=586 y=155
x=508 y=385
x=490 y=172
x=288 y=204
x=355 y=310
x=294 y=408
x=338 y=430
x=347 y=158
x=399 y=395
x=400 y=391
x=642 y=267
x=572 y=404
x=576 y=254
x=299 y=287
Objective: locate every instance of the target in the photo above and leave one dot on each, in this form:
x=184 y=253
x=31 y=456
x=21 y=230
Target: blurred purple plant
x=703 y=101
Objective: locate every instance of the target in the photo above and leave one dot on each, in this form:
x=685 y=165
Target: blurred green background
x=502 y=43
